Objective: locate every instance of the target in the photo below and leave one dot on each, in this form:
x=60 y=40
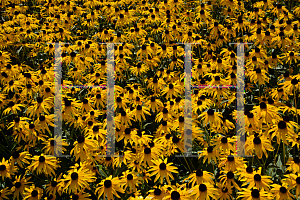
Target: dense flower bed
x=149 y=99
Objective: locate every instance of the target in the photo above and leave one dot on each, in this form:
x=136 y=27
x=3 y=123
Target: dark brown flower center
x=210 y=112
x=162 y=166
x=53 y=183
x=210 y=149
x=2 y=167
x=107 y=183
x=74 y=176
x=42 y=159
x=230 y=158
x=175 y=195
x=282 y=125
x=34 y=193
x=15 y=154
x=257 y=177
x=157 y=191
x=224 y=140
x=230 y=175
x=199 y=172
x=202 y=187
x=257 y=140
x=129 y=177
x=147 y=150
x=80 y=139
x=283 y=189
x=18 y=184
x=255 y=193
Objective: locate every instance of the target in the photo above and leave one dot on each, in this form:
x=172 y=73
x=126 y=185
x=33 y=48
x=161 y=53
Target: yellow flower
x=14 y=108
x=281 y=192
x=131 y=180
x=203 y=191
x=109 y=187
x=19 y=186
x=53 y=187
x=254 y=194
x=199 y=176
x=33 y=193
x=78 y=179
x=5 y=170
x=19 y=157
x=231 y=163
x=80 y=196
x=82 y=147
x=4 y=193
x=162 y=170
x=210 y=153
x=282 y=130
x=44 y=164
x=140 y=111
x=211 y=117
x=259 y=144
x=257 y=180
x=227 y=180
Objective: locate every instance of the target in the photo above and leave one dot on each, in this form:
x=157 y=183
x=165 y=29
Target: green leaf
x=147 y=125
x=102 y=171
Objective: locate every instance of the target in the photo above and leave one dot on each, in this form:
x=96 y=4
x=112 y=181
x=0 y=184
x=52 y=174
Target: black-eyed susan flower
x=230 y=162
x=267 y=112
x=199 y=176
x=225 y=143
x=253 y=194
x=171 y=89
x=53 y=144
x=282 y=130
x=204 y=191
x=293 y=164
x=4 y=193
x=131 y=180
x=281 y=191
x=12 y=107
x=227 y=180
x=33 y=193
x=259 y=75
x=210 y=153
x=44 y=164
x=19 y=186
x=19 y=157
x=157 y=193
x=80 y=196
x=139 y=112
x=223 y=192
x=78 y=179
x=177 y=193
x=211 y=117
x=5 y=169
x=162 y=169
x=293 y=181
x=259 y=181
x=109 y=187
x=260 y=144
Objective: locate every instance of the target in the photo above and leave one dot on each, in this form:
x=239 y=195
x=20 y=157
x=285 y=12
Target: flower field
x=150 y=61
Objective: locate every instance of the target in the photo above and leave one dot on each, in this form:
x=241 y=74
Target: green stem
x=187 y=164
x=276 y=154
x=283 y=156
x=259 y=162
x=182 y=163
x=295 y=99
x=214 y=172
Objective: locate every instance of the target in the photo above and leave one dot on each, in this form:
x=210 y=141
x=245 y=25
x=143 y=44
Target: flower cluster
x=149 y=99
